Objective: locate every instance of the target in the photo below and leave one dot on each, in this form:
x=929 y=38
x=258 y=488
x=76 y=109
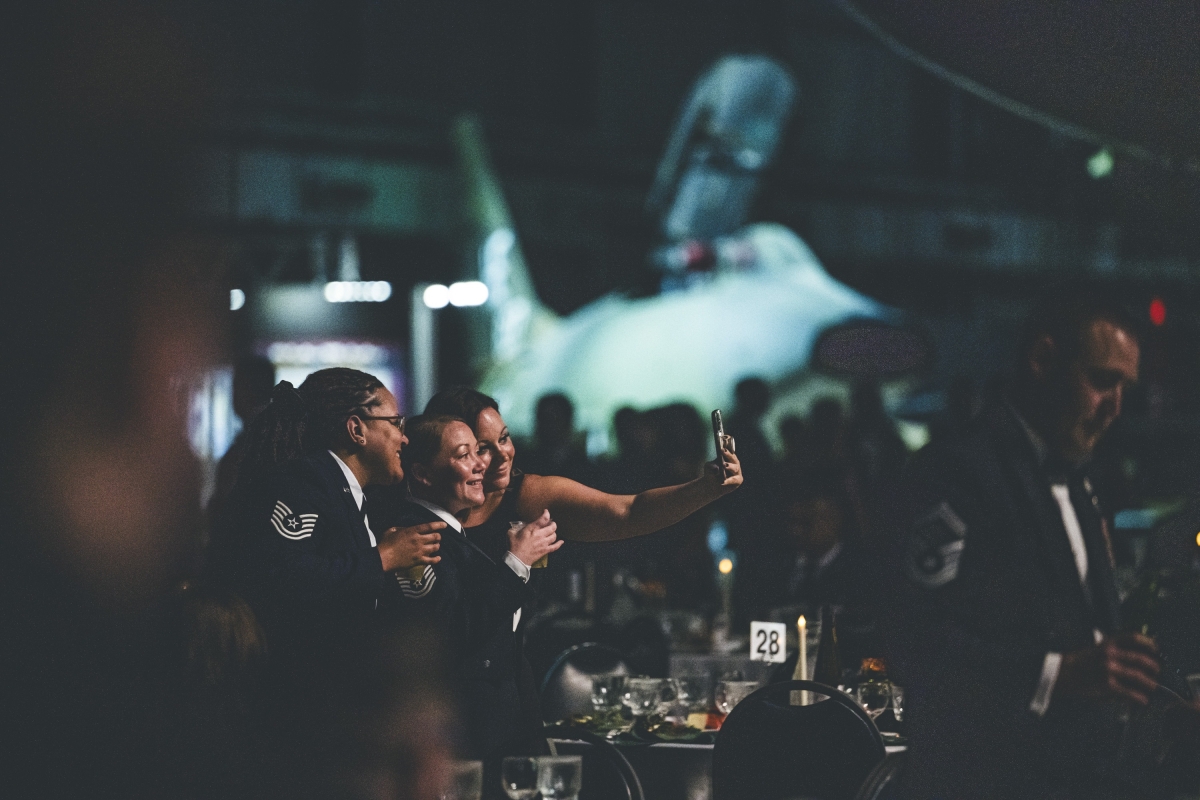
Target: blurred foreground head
x=1078 y=357
x=108 y=308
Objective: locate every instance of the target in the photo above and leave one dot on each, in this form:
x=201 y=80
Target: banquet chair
x=884 y=781
x=567 y=687
x=607 y=774
x=769 y=749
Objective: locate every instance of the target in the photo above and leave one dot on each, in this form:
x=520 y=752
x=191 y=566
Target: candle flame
x=801 y=622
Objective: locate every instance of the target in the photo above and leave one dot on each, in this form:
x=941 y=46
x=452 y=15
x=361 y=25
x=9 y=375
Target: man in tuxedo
x=471 y=600
x=1003 y=610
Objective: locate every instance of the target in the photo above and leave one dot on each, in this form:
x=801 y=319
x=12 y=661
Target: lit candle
x=801 y=671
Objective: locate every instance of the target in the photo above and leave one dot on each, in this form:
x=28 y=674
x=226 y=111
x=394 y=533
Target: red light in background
x=1158 y=311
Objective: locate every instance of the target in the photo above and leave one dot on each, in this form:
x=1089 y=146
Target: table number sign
x=768 y=642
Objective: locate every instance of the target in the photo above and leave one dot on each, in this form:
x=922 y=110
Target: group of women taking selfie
x=350 y=519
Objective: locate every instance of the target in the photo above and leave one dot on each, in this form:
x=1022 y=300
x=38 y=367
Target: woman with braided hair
x=309 y=563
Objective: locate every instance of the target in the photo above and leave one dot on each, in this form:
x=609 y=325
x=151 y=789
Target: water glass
x=873 y=696
x=898 y=702
x=519 y=777
x=730 y=693
x=465 y=781
x=643 y=695
x=560 y=777
x=608 y=690
x=693 y=692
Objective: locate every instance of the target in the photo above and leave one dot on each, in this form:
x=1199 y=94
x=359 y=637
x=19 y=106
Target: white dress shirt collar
x=356 y=490
x=442 y=513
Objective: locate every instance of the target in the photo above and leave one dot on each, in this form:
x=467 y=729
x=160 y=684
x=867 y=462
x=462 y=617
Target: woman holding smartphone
x=583 y=514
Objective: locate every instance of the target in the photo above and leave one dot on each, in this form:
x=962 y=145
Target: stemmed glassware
x=874 y=696
x=643 y=696
x=560 y=777
x=730 y=693
x=519 y=777
x=898 y=703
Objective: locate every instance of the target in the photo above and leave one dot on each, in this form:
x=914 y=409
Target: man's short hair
x=424 y=434
x=1064 y=313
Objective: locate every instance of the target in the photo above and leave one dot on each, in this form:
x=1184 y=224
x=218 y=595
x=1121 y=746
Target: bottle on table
x=829 y=663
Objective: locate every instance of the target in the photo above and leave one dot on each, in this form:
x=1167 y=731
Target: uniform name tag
x=768 y=642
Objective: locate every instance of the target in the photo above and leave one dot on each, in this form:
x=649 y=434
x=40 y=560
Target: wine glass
x=642 y=695
x=560 y=777
x=730 y=693
x=873 y=696
x=693 y=692
x=465 y=781
x=519 y=777
x=898 y=702
x=607 y=691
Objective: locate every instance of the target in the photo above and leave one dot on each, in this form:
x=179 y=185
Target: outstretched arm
x=587 y=515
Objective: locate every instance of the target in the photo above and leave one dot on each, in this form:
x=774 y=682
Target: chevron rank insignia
x=415 y=588
x=935 y=547
x=291 y=525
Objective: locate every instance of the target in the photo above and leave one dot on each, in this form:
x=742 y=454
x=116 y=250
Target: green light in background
x=1101 y=164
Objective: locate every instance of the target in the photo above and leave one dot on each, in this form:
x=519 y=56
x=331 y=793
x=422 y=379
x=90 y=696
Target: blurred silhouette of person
x=253 y=380
x=876 y=449
x=556 y=449
x=752 y=398
x=628 y=473
x=794 y=433
x=963 y=401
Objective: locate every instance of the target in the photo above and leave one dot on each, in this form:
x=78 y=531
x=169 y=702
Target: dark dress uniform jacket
x=310 y=572
x=469 y=600
x=984 y=585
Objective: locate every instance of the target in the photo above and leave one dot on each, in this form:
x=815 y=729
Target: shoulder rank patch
x=292 y=526
x=935 y=546
x=416 y=589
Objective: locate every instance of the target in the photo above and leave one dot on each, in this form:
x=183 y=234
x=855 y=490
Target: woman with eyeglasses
x=310 y=564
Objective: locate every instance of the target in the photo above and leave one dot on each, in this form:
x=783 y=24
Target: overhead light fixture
x=237 y=299
x=460 y=294
x=436 y=296
x=468 y=293
x=357 y=291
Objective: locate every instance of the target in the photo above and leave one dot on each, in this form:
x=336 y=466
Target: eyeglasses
x=396 y=421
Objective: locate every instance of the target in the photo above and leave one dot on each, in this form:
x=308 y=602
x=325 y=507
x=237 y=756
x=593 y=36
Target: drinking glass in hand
x=730 y=693
x=873 y=696
x=898 y=703
x=607 y=691
x=560 y=777
x=642 y=695
x=519 y=777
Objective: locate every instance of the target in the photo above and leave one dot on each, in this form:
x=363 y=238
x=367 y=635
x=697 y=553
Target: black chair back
x=884 y=781
x=607 y=774
x=567 y=687
x=769 y=749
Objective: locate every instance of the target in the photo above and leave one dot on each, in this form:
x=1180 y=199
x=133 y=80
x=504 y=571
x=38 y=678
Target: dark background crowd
x=124 y=674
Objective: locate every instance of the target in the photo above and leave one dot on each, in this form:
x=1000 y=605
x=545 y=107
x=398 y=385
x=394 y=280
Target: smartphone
x=718 y=437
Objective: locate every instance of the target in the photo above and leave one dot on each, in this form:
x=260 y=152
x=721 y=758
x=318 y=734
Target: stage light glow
x=357 y=291
x=237 y=299
x=468 y=293
x=436 y=295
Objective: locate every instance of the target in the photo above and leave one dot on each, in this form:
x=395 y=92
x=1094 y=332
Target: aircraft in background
x=737 y=300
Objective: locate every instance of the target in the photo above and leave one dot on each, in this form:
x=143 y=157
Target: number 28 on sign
x=768 y=642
